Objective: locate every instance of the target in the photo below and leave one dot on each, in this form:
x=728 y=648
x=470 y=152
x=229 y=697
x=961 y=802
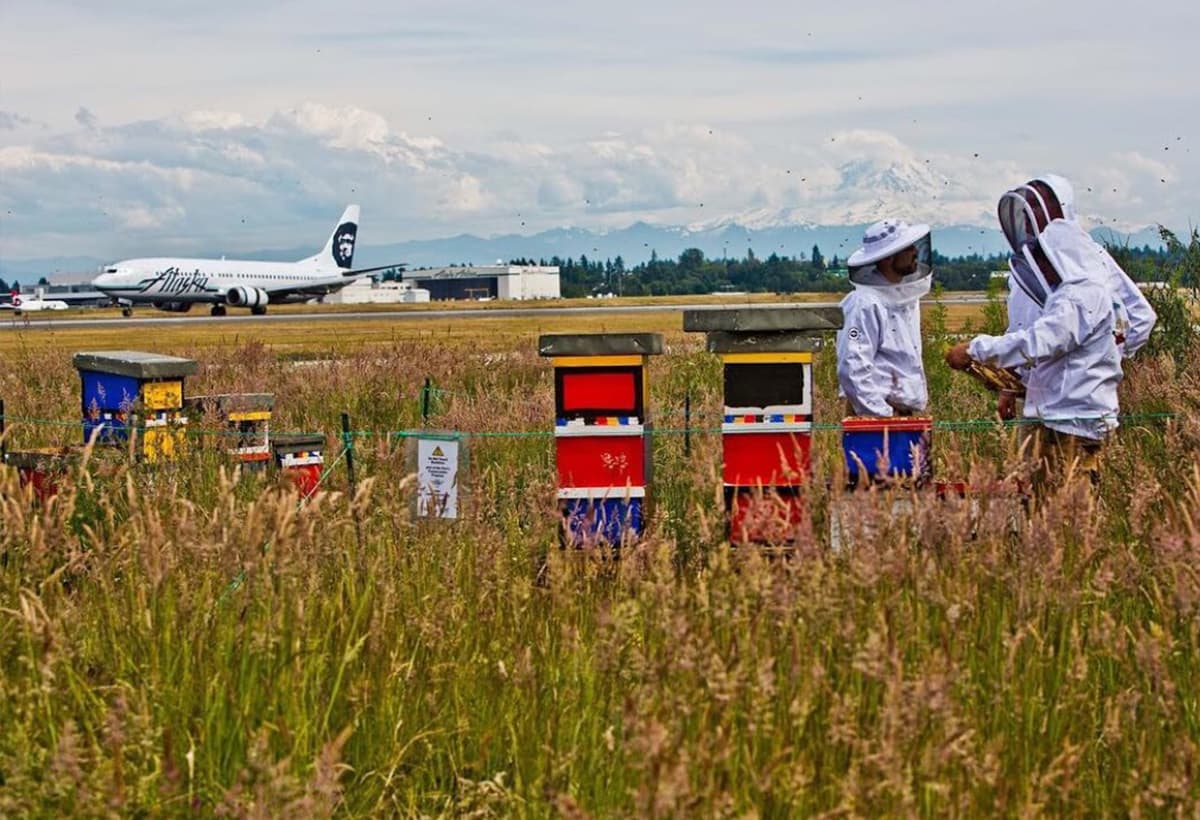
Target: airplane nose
x=105 y=280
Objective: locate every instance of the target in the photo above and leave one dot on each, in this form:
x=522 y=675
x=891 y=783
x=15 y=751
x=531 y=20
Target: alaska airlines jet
x=20 y=305
x=177 y=284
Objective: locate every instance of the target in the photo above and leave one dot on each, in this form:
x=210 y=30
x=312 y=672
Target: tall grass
x=958 y=660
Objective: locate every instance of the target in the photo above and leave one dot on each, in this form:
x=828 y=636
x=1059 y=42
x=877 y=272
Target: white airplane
x=177 y=284
x=19 y=305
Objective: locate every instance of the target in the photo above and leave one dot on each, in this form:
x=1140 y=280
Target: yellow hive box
x=164 y=443
x=166 y=395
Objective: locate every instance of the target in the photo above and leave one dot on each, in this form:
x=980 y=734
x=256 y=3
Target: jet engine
x=247 y=297
x=174 y=307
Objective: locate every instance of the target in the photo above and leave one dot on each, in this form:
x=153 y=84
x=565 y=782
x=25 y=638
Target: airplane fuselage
x=208 y=280
x=35 y=305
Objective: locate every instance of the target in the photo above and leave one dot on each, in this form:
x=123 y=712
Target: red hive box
x=766 y=430
x=301 y=457
x=601 y=434
x=766 y=439
x=767 y=459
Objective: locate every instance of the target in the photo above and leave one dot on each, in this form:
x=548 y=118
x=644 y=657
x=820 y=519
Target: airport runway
x=148 y=317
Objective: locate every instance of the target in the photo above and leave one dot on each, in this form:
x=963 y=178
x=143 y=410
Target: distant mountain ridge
x=773 y=233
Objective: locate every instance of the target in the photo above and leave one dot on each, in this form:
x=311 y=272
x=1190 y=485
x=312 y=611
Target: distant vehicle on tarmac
x=176 y=284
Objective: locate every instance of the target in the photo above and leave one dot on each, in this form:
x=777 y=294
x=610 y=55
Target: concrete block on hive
x=764 y=320
x=136 y=364
x=600 y=344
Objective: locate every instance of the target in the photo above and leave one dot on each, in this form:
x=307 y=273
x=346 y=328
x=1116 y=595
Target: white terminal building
x=366 y=292
x=487 y=282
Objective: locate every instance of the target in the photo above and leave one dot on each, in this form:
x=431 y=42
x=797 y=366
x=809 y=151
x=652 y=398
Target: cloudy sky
x=151 y=126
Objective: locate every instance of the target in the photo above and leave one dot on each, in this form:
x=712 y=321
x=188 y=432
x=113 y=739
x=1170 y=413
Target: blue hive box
x=895 y=448
x=589 y=521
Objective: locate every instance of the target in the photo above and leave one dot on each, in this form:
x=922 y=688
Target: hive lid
x=291 y=442
x=233 y=402
x=600 y=344
x=758 y=320
x=135 y=363
x=777 y=341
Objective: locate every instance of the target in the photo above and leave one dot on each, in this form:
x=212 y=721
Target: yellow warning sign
x=437 y=452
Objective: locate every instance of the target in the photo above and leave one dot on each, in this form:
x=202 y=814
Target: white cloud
x=11 y=120
x=223 y=179
x=214 y=120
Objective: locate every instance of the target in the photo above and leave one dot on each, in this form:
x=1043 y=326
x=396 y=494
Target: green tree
x=1175 y=332
x=818 y=261
x=691 y=260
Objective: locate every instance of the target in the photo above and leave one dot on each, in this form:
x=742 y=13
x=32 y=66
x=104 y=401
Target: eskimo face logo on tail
x=343 y=244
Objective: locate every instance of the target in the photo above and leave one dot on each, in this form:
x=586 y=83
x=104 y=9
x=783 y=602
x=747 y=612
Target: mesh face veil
x=924 y=247
x=1028 y=280
x=924 y=262
x=1020 y=221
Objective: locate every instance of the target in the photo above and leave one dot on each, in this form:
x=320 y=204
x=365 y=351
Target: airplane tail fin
x=339 y=249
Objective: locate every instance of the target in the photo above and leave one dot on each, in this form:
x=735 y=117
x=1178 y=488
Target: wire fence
x=957 y=425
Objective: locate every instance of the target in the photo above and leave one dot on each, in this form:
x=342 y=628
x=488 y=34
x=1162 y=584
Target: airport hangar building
x=487 y=282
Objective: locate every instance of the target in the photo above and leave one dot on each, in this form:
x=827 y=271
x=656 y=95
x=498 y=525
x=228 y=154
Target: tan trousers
x=1055 y=456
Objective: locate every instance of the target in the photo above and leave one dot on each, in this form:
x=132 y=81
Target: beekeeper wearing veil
x=1134 y=317
x=880 y=372
x=1070 y=350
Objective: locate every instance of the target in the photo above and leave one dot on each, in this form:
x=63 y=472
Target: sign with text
x=437 y=478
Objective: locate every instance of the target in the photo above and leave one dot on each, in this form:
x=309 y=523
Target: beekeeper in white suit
x=1055 y=196
x=880 y=372
x=1070 y=350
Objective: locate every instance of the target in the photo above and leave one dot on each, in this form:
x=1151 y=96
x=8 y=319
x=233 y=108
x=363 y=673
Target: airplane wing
x=329 y=284
x=357 y=272
x=82 y=297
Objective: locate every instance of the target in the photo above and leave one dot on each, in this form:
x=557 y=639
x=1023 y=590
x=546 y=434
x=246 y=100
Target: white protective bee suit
x=880 y=370
x=1074 y=365
x=1135 y=318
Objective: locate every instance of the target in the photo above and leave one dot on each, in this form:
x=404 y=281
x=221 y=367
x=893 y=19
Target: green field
x=183 y=641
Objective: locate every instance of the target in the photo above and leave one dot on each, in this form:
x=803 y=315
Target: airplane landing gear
x=218 y=310
x=261 y=310
x=126 y=312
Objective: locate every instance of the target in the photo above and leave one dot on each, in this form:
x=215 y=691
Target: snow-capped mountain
x=864 y=191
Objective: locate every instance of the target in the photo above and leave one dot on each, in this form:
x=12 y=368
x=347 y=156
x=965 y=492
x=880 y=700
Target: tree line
x=6 y=288
x=694 y=273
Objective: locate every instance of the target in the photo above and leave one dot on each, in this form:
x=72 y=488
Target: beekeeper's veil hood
x=887 y=238
x=1063 y=192
x=1033 y=216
